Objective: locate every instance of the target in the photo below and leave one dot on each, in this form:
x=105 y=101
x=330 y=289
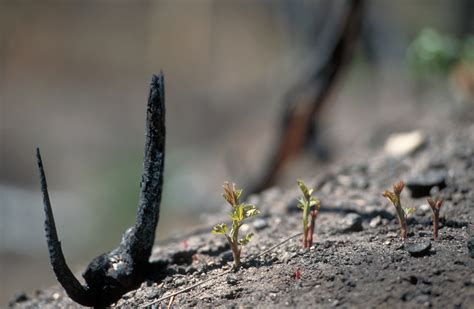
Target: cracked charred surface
x=114 y=273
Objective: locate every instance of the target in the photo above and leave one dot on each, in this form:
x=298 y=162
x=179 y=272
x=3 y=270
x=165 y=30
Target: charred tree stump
x=114 y=273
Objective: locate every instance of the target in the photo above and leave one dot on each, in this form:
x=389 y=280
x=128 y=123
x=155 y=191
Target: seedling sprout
x=402 y=213
x=240 y=212
x=310 y=207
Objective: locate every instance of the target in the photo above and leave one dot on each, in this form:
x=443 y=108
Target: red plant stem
x=305 y=237
x=403 y=228
x=435 y=224
x=310 y=231
x=402 y=220
x=236 y=255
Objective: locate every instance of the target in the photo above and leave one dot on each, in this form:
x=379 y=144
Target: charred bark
x=112 y=274
x=304 y=103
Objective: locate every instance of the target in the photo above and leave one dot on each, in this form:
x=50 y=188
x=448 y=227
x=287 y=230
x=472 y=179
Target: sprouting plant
x=240 y=212
x=435 y=205
x=402 y=213
x=306 y=203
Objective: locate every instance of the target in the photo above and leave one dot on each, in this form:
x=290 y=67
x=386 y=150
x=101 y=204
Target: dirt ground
x=357 y=260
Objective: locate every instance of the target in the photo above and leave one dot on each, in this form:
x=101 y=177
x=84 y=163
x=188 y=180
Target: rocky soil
x=357 y=259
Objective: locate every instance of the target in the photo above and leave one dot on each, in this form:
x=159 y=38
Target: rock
x=260 y=224
x=392 y=235
x=360 y=182
x=129 y=295
x=352 y=222
x=232 y=279
x=421 y=184
x=180 y=281
x=183 y=256
x=402 y=144
x=424 y=209
x=419 y=248
x=19 y=297
x=287 y=256
x=226 y=256
x=375 y=222
x=153 y=293
x=470 y=246
x=190 y=269
x=244 y=228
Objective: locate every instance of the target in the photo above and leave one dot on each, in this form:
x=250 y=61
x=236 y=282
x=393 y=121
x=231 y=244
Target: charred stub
x=114 y=273
x=304 y=102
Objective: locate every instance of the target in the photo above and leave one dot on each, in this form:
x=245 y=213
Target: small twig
x=218 y=275
x=279 y=244
x=171 y=302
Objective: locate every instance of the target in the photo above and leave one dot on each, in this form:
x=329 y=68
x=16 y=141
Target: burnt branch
x=143 y=233
x=73 y=287
x=112 y=274
x=304 y=102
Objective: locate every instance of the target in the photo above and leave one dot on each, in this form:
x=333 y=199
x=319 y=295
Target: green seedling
x=436 y=207
x=240 y=212
x=310 y=207
x=402 y=213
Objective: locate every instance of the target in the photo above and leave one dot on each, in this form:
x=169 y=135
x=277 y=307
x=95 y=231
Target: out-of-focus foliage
x=433 y=54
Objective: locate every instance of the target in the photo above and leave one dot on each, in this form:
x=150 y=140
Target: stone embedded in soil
x=375 y=222
x=401 y=144
x=421 y=184
x=352 y=223
x=419 y=248
x=19 y=297
x=232 y=279
x=260 y=224
x=470 y=246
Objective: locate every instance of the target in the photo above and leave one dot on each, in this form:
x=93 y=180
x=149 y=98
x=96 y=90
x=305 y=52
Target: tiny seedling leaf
x=239 y=213
x=304 y=189
x=250 y=211
x=390 y=196
x=313 y=202
x=409 y=211
x=246 y=239
x=238 y=193
x=220 y=228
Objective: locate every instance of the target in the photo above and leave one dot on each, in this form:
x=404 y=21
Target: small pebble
x=232 y=279
x=419 y=248
x=421 y=184
x=260 y=224
x=375 y=222
x=470 y=246
x=352 y=222
x=392 y=235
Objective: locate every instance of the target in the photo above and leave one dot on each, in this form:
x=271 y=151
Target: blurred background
x=74 y=79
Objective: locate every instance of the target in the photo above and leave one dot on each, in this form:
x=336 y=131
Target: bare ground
x=357 y=260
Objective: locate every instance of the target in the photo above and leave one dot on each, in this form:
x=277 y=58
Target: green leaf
x=409 y=211
x=238 y=213
x=304 y=189
x=250 y=211
x=301 y=203
x=315 y=202
x=238 y=193
x=246 y=239
x=219 y=229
